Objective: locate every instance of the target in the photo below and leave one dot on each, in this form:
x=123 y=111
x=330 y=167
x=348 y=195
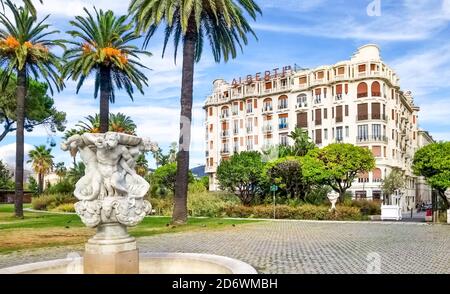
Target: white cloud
x=291 y=5
x=8 y=154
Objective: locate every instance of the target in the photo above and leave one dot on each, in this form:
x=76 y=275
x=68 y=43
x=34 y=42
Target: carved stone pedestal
x=111 y=251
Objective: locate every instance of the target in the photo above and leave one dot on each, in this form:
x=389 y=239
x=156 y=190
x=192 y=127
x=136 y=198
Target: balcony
x=225 y=134
x=249 y=110
x=250 y=91
x=250 y=148
x=283 y=126
x=235 y=112
x=225 y=150
x=373 y=116
x=339 y=139
x=318 y=82
x=267 y=108
x=341 y=77
x=372 y=139
x=267 y=129
x=236 y=149
x=301 y=105
x=376 y=94
x=362 y=95
x=224 y=115
x=339 y=97
x=249 y=130
x=236 y=132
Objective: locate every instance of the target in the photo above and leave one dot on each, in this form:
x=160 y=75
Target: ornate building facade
x=358 y=101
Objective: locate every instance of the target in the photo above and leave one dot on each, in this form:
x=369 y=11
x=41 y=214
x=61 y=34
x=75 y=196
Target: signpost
x=274 y=189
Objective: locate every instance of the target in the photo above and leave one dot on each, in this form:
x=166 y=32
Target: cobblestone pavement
x=303 y=247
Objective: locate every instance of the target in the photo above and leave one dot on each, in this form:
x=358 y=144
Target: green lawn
x=39 y=230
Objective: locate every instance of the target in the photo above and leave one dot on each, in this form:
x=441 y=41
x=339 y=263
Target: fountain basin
x=149 y=263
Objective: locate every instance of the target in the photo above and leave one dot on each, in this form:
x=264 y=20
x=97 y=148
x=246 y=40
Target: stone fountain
x=111 y=199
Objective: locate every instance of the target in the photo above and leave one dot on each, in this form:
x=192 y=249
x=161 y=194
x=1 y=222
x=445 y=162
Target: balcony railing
x=236 y=132
x=249 y=147
x=235 y=112
x=236 y=149
x=283 y=106
x=267 y=128
x=338 y=97
x=224 y=115
x=267 y=108
x=376 y=94
x=363 y=95
x=249 y=130
x=283 y=126
x=318 y=99
x=373 y=116
x=225 y=150
x=301 y=105
x=380 y=139
x=225 y=134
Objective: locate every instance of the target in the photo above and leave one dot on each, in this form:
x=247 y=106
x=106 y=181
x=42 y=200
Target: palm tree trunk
x=187 y=87
x=41 y=183
x=20 y=140
x=105 y=94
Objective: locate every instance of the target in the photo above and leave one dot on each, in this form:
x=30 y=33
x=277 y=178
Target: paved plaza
x=303 y=247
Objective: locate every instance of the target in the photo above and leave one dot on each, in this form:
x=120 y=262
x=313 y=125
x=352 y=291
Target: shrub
x=303 y=212
x=318 y=195
x=67 y=207
x=41 y=202
x=63 y=187
x=367 y=207
x=49 y=202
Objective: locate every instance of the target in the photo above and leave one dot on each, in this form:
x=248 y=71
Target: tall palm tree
x=28 y=4
x=42 y=163
x=141 y=165
x=25 y=51
x=60 y=170
x=102 y=48
x=224 y=25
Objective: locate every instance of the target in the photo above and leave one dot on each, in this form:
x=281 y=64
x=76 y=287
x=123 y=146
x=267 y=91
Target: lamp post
x=274 y=189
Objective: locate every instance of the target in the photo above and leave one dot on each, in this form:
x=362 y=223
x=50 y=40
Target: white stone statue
x=333 y=196
x=110 y=191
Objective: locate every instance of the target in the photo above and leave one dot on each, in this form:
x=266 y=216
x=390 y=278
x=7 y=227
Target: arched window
x=225 y=112
x=267 y=105
x=377 y=176
x=302 y=100
x=362 y=90
x=363 y=177
x=376 y=89
x=283 y=102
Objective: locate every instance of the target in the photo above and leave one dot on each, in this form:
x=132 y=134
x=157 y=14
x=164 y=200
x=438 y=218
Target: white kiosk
x=393 y=210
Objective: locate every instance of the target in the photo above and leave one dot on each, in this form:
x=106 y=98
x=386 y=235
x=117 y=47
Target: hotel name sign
x=260 y=76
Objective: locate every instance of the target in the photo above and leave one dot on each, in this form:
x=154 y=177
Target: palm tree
x=42 y=163
x=223 y=23
x=76 y=173
x=302 y=142
x=102 y=48
x=119 y=123
x=28 y=4
x=24 y=52
x=60 y=170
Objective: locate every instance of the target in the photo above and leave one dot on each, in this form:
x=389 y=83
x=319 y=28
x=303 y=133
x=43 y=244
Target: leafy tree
x=24 y=52
x=393 y=182
x=39 y=109
x=102 y=47
x=61 y=170
x=119 y=123
x=241 y=174
x=164 y=177
x=224 y=25
x=6 y=182
x=302 y=143
x=33 y=186
x=433 y=163
x=42 y=162
x=338 y=165
x=141 y=166
x=287 y=173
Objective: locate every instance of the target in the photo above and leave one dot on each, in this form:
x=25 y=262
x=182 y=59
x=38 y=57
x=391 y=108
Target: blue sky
x=412 y=34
